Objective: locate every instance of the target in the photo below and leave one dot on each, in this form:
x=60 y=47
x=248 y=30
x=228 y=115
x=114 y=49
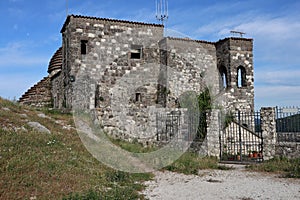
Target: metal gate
x=167 y=125
x=241 y=138
x=186 y=126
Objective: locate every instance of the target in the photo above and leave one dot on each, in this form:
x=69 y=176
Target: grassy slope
x=53 y=166
x=58 y=166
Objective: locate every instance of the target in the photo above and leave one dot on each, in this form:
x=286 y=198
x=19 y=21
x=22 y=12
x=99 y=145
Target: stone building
x=128 y=71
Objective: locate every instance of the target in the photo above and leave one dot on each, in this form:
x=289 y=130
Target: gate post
x=269 y=134
x=213 y=131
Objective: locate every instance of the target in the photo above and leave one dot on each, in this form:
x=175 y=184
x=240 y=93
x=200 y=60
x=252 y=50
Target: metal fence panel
x=288 y=124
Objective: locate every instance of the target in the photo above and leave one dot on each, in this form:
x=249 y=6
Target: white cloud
x=279 y=77
x=14 y=54
x=174 y=33
x=277 y=96
x=285 y=28
x=11 y=87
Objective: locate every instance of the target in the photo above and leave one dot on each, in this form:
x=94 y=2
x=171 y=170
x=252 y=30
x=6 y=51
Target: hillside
x=42 y=157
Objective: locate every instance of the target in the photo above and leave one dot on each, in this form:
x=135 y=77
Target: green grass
x=290 y=168
x=134 y=146
x=191 y=163
x=188 y=163
x=56 y=165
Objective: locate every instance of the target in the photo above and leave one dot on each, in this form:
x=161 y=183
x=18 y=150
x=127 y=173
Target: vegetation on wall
x=199 y=106
x=204 y=105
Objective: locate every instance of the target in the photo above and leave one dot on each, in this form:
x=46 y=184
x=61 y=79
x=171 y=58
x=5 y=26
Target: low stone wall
x=288 y=149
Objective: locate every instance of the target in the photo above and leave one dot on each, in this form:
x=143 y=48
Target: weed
x=289 y=167
x=191 y=163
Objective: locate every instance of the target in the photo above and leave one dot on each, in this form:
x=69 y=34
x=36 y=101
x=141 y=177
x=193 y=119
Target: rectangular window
x=136 y=51
x=138 y=97
x=84 y=47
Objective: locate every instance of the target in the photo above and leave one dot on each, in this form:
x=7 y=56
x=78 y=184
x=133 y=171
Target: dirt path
x=219 y=184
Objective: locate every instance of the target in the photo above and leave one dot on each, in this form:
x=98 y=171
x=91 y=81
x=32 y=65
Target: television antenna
x=162 y=10
x=241 y=34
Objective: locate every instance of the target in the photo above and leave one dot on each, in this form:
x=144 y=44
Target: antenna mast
x=67 y=7
x=237 y=33
x=162 y=10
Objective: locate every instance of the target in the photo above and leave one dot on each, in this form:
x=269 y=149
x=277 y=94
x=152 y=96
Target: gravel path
x=219 y=184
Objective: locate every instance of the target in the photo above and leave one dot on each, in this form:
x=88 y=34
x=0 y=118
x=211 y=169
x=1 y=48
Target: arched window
x=224 y=78
x=241 y=77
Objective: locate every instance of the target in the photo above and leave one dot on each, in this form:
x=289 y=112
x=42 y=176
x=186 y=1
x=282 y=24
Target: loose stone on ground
x=39 y=127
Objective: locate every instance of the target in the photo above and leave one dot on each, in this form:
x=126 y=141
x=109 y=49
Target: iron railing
x=288 y=124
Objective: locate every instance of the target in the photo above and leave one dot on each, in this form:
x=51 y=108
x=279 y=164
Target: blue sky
x=30 y=34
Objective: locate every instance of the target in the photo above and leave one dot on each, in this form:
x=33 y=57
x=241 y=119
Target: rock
x=24 y=129
x=23 y=115
x=42 y=115
x=6 y=109
x=38 y=127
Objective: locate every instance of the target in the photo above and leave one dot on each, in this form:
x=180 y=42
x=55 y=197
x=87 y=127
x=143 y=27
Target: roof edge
x=107 y=19
x=235 y=38
x=191 y=40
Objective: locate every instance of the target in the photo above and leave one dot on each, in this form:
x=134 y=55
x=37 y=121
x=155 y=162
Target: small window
x=224 y=78
x=138 y=97
x=241 y=79
x=84 y=47
x=136 y=52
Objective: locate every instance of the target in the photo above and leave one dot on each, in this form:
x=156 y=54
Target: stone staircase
x=38 y=95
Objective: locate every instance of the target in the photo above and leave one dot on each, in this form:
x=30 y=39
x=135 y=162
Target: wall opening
x=241 y=77
x=55 y=104
x=84 y=47
x=224 y=78
x=138 y=97
x=136 y=51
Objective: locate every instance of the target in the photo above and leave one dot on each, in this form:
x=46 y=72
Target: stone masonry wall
x=268 y=128
x=127 y=70
x=273 y=147
x=192 y=67
x=288 y=149
x=114 y=75
x=234 y=54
